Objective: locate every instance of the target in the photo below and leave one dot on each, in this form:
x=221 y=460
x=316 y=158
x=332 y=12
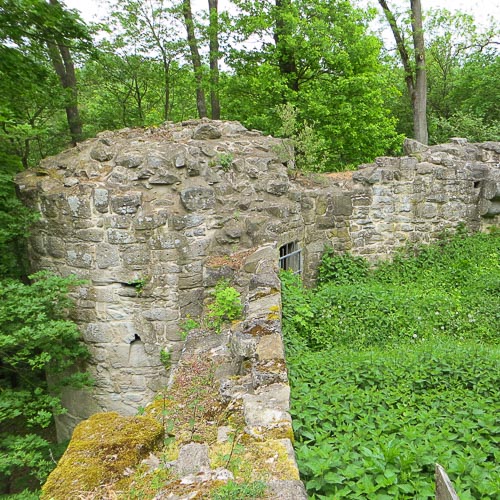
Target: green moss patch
x=104 y=449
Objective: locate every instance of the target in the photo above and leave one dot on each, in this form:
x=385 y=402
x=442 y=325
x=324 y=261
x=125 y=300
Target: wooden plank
x=444 y=488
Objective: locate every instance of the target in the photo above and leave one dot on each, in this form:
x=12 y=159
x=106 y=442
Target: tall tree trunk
x=286 y=57
x=166 y=93
x=213 y=35
x=62 y=63
x=420 y=94
x=416 y=81
x=195 y=57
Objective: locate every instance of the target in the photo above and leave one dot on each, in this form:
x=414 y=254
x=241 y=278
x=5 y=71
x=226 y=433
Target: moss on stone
x=103 y=450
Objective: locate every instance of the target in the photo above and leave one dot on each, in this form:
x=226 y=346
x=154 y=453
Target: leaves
x=373 y=406
x=36 y=341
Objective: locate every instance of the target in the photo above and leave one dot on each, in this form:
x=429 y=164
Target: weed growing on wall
x=188 y=325
x=395 y=368
x=232 y=490
x=226 y=305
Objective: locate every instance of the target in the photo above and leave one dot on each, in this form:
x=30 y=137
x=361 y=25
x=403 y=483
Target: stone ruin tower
x=153 y=219
x=138 y=215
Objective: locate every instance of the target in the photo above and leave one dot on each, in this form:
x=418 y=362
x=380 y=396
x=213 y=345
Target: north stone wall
x=153 y=219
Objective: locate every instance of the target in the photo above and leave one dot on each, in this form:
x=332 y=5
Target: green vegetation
x=225 y=306
x=36 y=341
x=232 y=490
x=188 y=325
x=396 y=368
x=323 y=61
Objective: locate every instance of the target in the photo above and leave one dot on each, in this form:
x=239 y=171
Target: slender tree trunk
x=214 y=58
x=138 y=100
x=420 y=95
x=195 y=57
x=166 y=92
x=416 y=80
x=62 y=62
x=286 y=57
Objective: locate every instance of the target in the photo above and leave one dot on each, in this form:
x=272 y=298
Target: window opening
x=291 y=258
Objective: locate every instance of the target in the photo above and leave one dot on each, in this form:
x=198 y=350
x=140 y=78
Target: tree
x=35 y=341
x=336 y=81
x=282 y=35
x=62 y=61
x=150 y=29
x=36 y=36
x=461 y=60
x=192 y=40
x=213 y=37
x=415 y=75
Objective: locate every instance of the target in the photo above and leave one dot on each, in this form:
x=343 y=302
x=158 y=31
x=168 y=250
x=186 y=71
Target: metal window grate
x=291 y=258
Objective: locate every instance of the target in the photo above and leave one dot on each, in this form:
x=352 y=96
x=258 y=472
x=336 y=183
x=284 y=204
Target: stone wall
x=387 y=204
x=153 y=219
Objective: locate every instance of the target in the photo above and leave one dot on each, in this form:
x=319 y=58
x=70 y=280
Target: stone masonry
x=152 y=219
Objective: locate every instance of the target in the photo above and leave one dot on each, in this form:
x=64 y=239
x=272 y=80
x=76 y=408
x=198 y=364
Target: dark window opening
x=291 y=258
x=136 y=338
x=477 y=184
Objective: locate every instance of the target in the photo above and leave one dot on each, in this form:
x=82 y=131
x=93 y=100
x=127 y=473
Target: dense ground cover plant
x=450 y=289
x=395 y=368
x=372 y=424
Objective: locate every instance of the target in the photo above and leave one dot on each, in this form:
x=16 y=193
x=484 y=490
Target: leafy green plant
x=226 y=305
x=187 y=326
x=373 y=422
x=232 y=490
x=225 y=160
x=139 y=284
x=166 y=358
x=37 y=340
x=341 y=269
x=446 y=290
x=395 y=368
x=302 y=144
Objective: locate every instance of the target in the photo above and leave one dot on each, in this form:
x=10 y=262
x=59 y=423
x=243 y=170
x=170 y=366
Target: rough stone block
x=101 y=152
x=148 y=222
x=107 y=256
x=127 y=203
x=165 y=178
x=79 y=207
x=96 y=333
x=278 y=187
x=206 y=131
x=129 y=159
x=80 y=257
x=136 y=256
x=198 y=198
x=56 y=247
x=161 y=314
x=105 y=437
x=95 y=235
x=341 y=205
x=120 y=237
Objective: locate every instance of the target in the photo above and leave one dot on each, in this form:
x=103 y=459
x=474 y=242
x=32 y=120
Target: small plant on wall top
x=187 y=326
x=226 y=305
x=226 y=161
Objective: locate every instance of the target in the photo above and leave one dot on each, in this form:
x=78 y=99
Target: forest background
x=314 y=70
